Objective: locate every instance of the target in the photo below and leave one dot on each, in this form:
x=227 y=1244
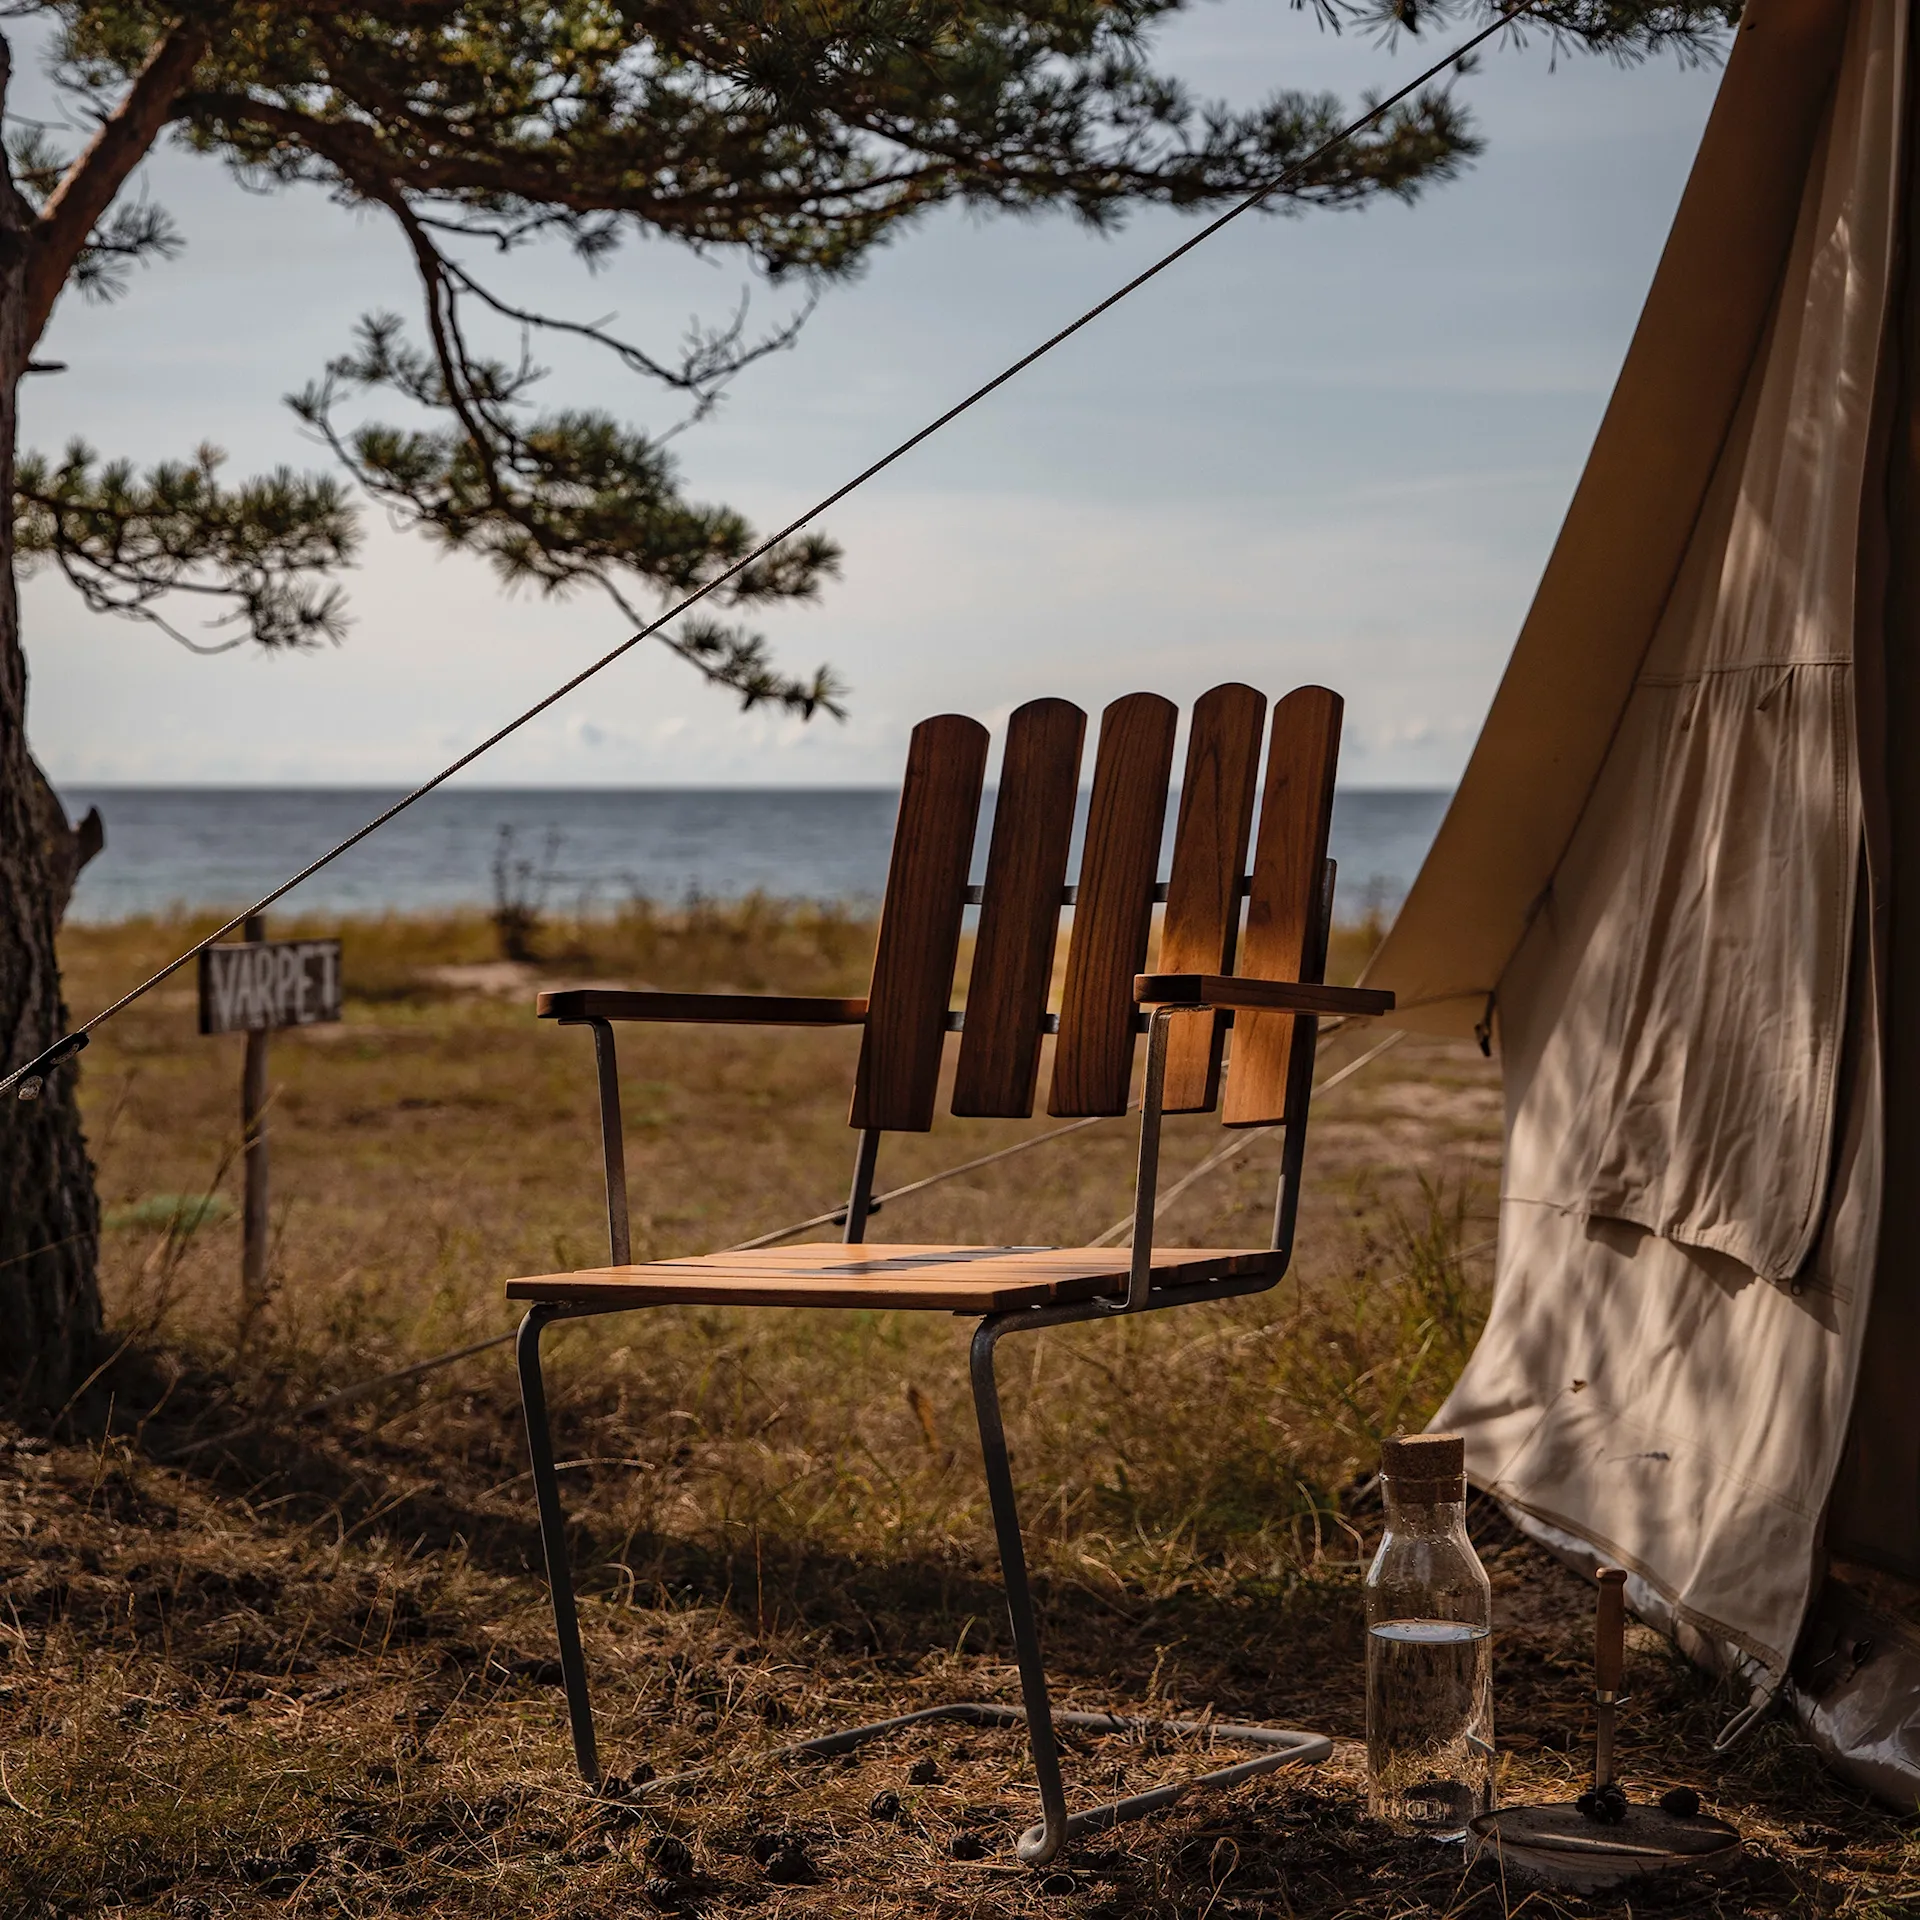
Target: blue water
x=226 y=846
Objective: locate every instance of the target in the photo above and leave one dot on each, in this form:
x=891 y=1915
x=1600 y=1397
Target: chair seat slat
x=926 y=1278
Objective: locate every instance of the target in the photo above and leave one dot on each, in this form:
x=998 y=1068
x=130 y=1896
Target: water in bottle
x=1429 y=1649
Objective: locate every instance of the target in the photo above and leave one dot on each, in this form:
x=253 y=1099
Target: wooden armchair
x=1272 y=1005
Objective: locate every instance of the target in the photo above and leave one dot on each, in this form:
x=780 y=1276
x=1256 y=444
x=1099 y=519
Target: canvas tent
x=1679 y=888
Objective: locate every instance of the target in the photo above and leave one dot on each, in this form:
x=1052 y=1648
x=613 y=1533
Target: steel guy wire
x=31 y=1076
x=1123 y=1227
x=399 y=1375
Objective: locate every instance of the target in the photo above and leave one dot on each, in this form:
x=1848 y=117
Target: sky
x=1332 y=447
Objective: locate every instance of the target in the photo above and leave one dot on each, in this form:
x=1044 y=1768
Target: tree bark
x=49 y=1218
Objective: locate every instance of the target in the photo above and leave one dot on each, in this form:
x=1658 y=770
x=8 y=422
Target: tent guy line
x=398 y=1376
x=31 y=1076
x=1239 y=1143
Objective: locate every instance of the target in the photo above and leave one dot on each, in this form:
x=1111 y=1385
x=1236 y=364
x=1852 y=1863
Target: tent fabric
x=1856 y=1686
x=1873 y=1518
x=1650 y=879
x=1636 y=1393
x=1692 y=947
x=1628 y=528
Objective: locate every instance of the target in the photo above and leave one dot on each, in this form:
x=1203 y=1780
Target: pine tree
x=800 y=134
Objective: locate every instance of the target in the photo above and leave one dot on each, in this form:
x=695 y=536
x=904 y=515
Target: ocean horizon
x=588 y=849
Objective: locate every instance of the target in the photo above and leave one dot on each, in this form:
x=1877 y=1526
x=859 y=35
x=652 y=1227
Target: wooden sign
x=269 y=983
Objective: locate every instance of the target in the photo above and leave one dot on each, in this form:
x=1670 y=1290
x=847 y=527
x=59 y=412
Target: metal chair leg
x=1039 y=1844
x=553 y=1538
x=1283 y=1746
x=1056 y=1827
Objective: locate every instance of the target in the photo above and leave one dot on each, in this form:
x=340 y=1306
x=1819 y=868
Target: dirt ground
x=259 y=1660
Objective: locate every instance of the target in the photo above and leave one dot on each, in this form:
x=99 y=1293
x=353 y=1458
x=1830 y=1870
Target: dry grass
x=306 y=1671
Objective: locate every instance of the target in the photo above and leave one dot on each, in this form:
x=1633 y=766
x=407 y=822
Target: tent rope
x=398 y=1375
x=1123 y=1227
x=31 y=1076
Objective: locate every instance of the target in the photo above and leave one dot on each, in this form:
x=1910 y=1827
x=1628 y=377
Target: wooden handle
x=1610 y=1629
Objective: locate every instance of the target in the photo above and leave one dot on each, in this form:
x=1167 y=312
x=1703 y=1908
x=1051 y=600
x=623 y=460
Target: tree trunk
x=49 y=1217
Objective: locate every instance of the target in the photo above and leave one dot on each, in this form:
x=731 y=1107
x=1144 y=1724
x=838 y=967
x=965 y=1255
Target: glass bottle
x=1429 y=1648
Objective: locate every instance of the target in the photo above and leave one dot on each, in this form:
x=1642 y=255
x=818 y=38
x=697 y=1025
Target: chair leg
x=1284 y=1746
x=1280 y=1746
x=553 y=1538
x=1039 y=1844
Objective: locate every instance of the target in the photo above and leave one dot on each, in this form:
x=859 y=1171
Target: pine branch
x=128 y=542
x=803 y=133
x=125 y=237
x=560 y=501
x=74 y=208
x=1624 y=30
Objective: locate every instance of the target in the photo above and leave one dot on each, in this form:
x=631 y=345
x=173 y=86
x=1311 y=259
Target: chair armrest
x=722 y=1009
x=1258 y=996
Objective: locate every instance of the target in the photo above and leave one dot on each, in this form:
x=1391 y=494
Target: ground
x=257 y=1659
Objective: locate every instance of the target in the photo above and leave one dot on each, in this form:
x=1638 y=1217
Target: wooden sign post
x=252 y=989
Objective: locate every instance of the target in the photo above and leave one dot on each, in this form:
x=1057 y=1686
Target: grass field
x=258 y=1660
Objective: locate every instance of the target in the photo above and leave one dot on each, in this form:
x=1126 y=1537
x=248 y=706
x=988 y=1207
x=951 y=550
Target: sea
x=584 y=849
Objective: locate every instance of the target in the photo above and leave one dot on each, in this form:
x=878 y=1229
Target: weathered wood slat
x=1202 y=920
x=1282 y=935
x=1113 y=915
x=1020 y=911
x=920 y=926
x=942 y=1279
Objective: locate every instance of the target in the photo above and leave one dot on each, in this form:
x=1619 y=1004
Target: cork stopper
x=1425 y=1468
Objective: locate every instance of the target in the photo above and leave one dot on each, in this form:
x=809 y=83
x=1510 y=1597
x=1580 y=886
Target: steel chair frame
x=1275 y=1006
x=1057 y=1827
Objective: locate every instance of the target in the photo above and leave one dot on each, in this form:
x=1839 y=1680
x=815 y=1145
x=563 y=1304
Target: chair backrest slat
x=1203 y=893
x=1285 y=911
x=1020 y=911
x=919 y=940
x=1113 y=910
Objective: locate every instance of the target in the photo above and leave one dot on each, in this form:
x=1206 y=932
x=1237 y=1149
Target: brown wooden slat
x=1020 y=911
x=1203 y=893
x=920 y=925
x=1283 y=913
x=1113 y=912
x=925 y=1278
x=716 y=1009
